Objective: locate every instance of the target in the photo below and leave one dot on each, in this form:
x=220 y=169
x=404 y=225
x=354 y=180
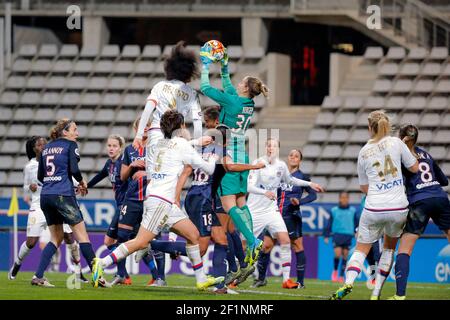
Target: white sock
x=193 y=252
x=56 y=259
x=120 y=253
x=354 y=266
x=74 y=252
x=23 y=252
x=383 y=270
x=286 y=257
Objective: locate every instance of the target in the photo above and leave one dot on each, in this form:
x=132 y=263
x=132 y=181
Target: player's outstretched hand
x=317 y=187
x=139 y=174
x=270 y=195
x=82 y=188
x=295 y=201
x=260 y=165
x=33 y=187
x=224 y=61
x=205 y=55
x=204 y=141
x=138 y=164
x=137 y=143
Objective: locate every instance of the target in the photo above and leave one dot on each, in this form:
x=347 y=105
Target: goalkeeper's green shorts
x=233 y=183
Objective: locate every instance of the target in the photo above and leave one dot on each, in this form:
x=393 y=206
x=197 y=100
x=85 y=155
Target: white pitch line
x=262 y=292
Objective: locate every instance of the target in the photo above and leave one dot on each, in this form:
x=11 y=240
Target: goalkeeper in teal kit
x=237 y=108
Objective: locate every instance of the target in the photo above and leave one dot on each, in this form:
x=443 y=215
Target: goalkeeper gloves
x=205 y=56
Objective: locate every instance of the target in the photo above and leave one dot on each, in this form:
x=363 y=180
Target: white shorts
x=159 y=213
x=373 y=225
x=154 y=136
x=267 y=219
x=37 y=225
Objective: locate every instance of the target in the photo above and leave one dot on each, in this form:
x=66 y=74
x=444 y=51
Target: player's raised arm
x=299 y=182
x=150 y=105
x=225 y=75
x=98 y=177
x=230 y=166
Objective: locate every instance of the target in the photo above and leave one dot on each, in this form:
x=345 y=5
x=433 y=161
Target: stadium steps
x=360 y=81
x=294 y=123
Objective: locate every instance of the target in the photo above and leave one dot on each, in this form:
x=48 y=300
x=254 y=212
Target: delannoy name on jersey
x=54 y=150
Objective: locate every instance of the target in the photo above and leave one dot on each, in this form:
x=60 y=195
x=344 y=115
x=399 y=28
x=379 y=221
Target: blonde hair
x=119 y=139
x=256 y=86
x=61 y=125
x=379 y=124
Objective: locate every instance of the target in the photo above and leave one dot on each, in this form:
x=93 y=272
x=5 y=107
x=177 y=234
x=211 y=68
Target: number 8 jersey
x=379 y=166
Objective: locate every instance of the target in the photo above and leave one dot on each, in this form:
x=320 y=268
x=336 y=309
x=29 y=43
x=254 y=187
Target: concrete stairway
x=359 y=81
x=294 y=123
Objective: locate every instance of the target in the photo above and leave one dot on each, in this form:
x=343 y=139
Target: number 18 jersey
x=379 y=166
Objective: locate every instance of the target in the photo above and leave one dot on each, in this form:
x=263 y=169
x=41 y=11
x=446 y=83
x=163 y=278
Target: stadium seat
x=410 y=69
x=373 y=54
x=375 y=103
x=441 y=137
x=15 y=82
x=353 y=103
x=325 y=119
x=144 y=67
x=98 y=132
x=337 y=184
x=253 y=54
x=130 y=51
x=118 y=83
x=103 y=67
x=151 y=52
x=445 y=121
x=44 y=114
x=155 y=80
x=17 y=131
x=98 y=83
x=9 y=98
x=382 y=86
x=5 y=113
x=389 y=69
x=338 y=135
x=50 y=99
x=318 y=135
x=77 y=83
x=345 y=119
x=92 y=148
x=395 y=103
x=68 y=51
x=91 y=99
x=437 y=152
x=41 y=66
x=15 y=178
x=345 y=168
x=83 y=67
x=21 y=66
x=424 y=86
x=24 y=114
x=3 y=130
x=10 y=147
x=123 y=131
x=6 y=162
x=55 y=82
x=443 y=86
x=30 y=98
x=429 y=120
x=111 y=100
x=85 y=115
x=418 y=53
x=159 y=68
x=125 y=115
x=331 y=152
x=438 y=103
x=431 y=69
x=416 y=103
x=105 y=115
x=402 y=86
x=438 y=53
x=359 y=136
x=48 y=51
x=64 y=113
x=63 y=66
x=28 y=50
x=409 y=118
x=363 y=119
x=133 y=100
x=87 y=164
x=307 y=166
x=124 y=67
x=311 y=151
x=235 y=52
x=353 y=184
x=88 y=52
x=82 y=130
x=38 y=130
x=446 y=71
x=323 y=181
x=110 y=51
x=425 y=136
x=70 y=99
x=332 y=102
x=396 y=53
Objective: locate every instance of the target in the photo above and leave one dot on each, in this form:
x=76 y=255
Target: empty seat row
x=398 y=53
x=406 y=86
x=412 y=69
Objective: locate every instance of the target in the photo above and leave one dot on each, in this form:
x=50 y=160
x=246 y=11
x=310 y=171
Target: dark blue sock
x=46 y=258
x=371 y=257
x=343 y=266
x=219 y=265
x=263 y=263
x=402 y=273
x=336 y=263
x=150 y=263
x=238 y=249
x=301 y=264
x=230 y=254
x=87 y=252
x=113 y=246
x=160 y=258
x=174 y=247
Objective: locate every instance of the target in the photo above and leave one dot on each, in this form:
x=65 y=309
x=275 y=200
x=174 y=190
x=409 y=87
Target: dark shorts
x=113 y=226
x=61 y=209
x=421 y=211
x=293 y=223
x=342 y=240
x=218 y=208
x=200 y=209
x=131 y=213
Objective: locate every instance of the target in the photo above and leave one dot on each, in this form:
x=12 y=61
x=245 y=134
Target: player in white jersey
x=37 y=225
x=174 y=93
x=386 y=206
x=171 y=154
x=262 y=201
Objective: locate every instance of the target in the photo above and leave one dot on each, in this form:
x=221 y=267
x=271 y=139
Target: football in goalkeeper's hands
x=214 y=50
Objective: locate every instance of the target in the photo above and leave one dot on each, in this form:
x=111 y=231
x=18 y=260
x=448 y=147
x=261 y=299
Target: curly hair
x=29 y=146
x=182 y=64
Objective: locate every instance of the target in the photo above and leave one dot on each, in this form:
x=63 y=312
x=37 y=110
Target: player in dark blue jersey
x=290 y=198
x=114 y=145
x=426 y=199
x=58 y=163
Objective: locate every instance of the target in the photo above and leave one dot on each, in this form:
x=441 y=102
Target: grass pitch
x=182 y=288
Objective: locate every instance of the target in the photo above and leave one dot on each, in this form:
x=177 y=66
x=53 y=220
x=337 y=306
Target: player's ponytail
x=256 y=87
x=379 y=125
x=410 y=132
x=61 y=125
x=29 y=147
